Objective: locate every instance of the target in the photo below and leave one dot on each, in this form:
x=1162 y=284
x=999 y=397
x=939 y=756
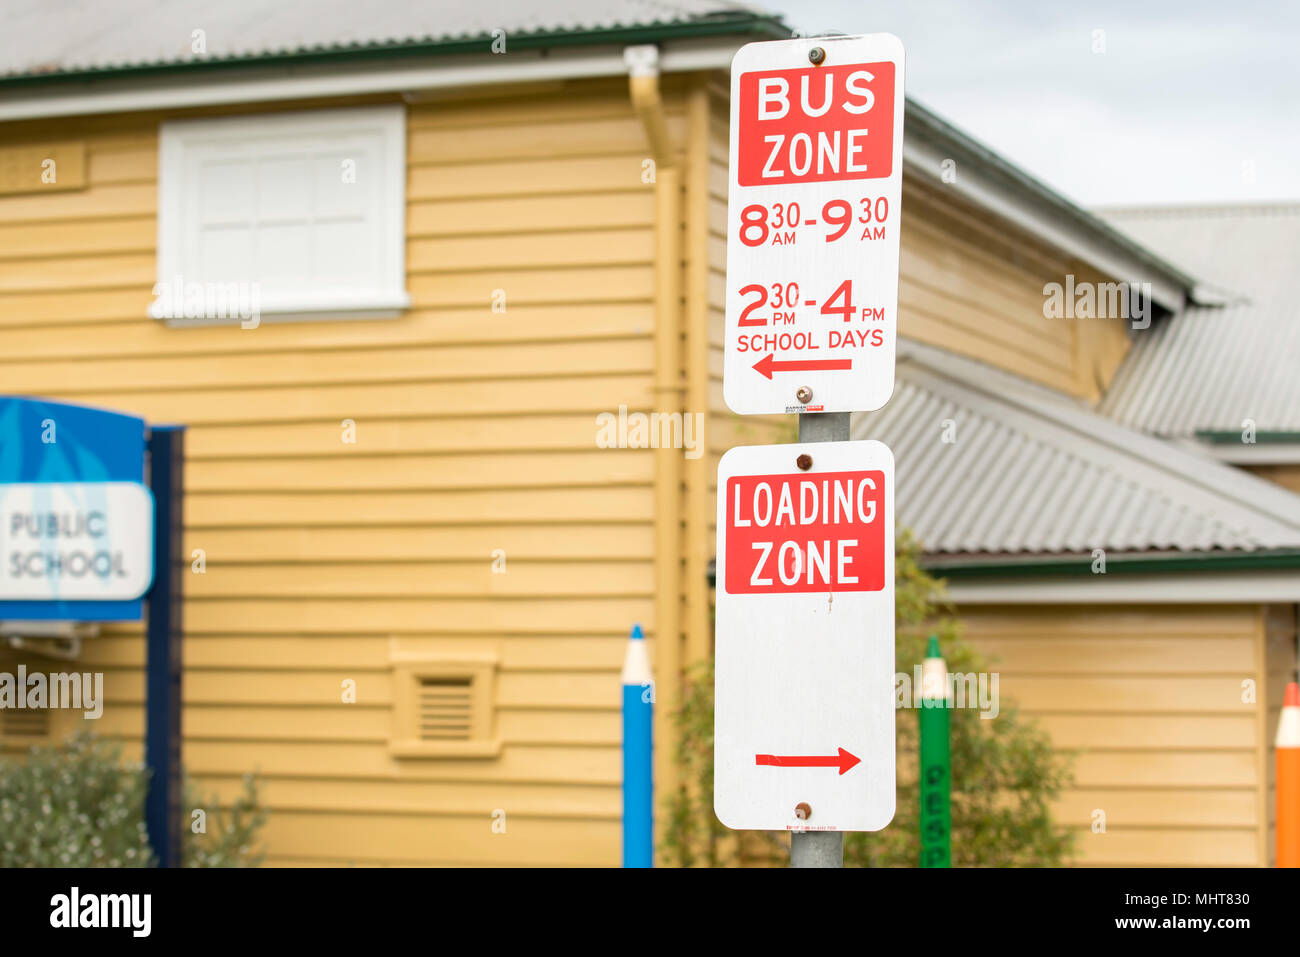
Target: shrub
x=1005 y=772
x=231 y=836
x=78 y=804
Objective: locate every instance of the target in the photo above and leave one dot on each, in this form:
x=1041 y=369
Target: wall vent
x=444 y=707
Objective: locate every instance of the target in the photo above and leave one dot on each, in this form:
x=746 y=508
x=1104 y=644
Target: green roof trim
x=1233 y=436
x=1262 y=560
x=919 y=117
x=755 y=25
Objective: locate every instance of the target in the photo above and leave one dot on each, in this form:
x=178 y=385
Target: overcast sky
x=1192 y=101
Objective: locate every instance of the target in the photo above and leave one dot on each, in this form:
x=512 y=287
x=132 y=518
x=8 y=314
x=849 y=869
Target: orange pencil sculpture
x=1288 y=779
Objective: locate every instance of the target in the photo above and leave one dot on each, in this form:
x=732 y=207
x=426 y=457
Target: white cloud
x=1185 y=94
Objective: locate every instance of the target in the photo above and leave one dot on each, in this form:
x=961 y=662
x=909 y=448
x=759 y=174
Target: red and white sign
x=804 y=696
x=813 y=225
x=838 y=543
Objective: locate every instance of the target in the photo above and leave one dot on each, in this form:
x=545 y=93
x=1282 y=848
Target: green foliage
x=1005 y=772
x=231 y=833
x=73 y=806
x=79 y=805
x=694 y=835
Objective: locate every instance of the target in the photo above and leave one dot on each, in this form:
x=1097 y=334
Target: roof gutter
x=1265 y=576
x=376 y=69
x=1234 y=436
x=751 y=26
x=256 y=85
x=1261 y=560
x=1276 y=586
x=1268 y=448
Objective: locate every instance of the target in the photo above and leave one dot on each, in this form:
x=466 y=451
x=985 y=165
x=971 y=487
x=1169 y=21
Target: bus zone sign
x=813 y=224
x=804 y=693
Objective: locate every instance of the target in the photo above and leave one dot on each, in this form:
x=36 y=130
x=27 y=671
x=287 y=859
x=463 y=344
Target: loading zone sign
x=804 y=697
x=813 y=224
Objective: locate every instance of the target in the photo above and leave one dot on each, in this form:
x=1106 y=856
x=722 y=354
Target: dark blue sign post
x=84 y=539
x=162 y=740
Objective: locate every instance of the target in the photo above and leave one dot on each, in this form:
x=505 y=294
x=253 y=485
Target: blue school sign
x=76 y=519
x=90 y=530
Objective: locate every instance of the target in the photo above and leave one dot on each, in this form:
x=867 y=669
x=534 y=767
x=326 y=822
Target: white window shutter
x=306 y=208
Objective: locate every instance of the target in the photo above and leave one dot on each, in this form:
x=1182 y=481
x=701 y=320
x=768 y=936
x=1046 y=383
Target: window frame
x=175 y=137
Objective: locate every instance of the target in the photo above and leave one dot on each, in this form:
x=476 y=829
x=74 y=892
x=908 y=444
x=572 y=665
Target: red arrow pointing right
x=769 y=364
x=844 y=760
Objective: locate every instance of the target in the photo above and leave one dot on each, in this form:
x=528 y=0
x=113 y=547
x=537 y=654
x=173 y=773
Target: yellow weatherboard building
x=414 y=469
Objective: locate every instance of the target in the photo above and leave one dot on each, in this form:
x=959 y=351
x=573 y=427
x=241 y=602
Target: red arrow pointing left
x=844 y=760
x=769 y=364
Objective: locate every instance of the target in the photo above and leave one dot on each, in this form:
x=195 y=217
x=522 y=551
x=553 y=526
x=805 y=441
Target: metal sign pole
x=816 y=848
x=824 y=427
x=820 y=848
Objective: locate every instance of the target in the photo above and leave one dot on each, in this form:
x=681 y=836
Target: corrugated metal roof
x=1215 y=366
x=1031 y=473
x=43 y=37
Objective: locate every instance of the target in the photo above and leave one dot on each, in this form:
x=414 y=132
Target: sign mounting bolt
x=802 y=811
x=804 y=395
x=816 y=56
x=804 y=462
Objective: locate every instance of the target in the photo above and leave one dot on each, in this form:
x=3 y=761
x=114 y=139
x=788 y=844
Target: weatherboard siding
x=475 y=432
x=1150 y=701
x=1287 y=476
